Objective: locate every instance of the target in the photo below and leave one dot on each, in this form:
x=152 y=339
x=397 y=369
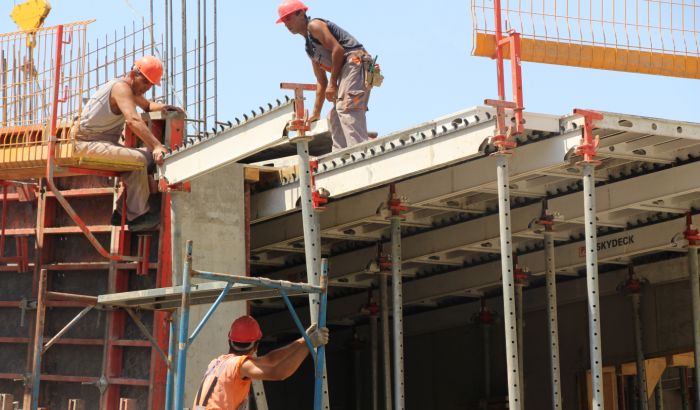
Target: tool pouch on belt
x=373 y=75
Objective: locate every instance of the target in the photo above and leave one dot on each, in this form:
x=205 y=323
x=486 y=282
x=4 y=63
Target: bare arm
x=278 y=364
x=151 y=106
x=321 y=84
x=126 y=101
x=319 y=30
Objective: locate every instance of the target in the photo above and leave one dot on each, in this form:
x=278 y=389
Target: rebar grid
x=27 y=82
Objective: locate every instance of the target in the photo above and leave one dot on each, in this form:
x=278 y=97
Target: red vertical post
x=5 y=205
x=175 y=130
x=517 y=81
x=499 y=51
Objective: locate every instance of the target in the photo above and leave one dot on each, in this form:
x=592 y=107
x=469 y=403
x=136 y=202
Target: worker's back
x=97 y=121
x=222 y=387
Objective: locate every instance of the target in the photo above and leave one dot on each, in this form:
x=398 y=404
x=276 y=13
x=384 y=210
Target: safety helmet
x=245 y=329
x=288 y=7
x=151 y=68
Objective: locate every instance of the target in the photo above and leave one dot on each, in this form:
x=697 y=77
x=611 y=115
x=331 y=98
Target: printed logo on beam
x=608 y=244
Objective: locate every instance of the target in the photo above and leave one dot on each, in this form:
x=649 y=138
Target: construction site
x=491 y=258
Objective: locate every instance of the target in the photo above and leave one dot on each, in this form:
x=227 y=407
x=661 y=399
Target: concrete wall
x=212 y=216
x=444 y=350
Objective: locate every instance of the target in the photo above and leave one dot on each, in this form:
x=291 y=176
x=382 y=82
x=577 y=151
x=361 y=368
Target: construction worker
x=334 y=50
x=227 y=380
x=100 y=128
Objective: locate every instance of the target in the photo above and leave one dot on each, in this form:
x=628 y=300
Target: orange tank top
x=230 y=391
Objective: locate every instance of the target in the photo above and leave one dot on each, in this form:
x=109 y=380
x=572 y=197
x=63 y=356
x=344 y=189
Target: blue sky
x=424 y=50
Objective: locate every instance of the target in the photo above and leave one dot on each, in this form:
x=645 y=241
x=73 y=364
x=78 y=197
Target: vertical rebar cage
x=27 y=85
x=644 y=36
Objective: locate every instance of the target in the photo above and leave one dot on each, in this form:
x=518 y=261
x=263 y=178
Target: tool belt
x=373 y=74
x=371 y=71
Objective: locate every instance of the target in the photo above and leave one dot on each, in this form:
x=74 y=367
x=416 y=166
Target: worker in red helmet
x=227 y=380
x=100 y=127
x=352 y=72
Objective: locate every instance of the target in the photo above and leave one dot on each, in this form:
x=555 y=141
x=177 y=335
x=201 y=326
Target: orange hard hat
x=151 y=68
x=245 y=329
x=288 y=7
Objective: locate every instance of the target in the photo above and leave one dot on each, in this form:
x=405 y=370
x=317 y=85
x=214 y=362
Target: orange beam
x=590 y=56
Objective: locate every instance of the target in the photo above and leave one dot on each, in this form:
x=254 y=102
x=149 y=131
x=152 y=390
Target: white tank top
x=97 y=121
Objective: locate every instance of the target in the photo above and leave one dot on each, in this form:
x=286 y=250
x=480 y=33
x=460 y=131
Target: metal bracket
x=319 y=197
x=589 y=143
x=24 y=306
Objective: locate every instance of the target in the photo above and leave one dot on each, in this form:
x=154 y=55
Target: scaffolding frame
x=176 y=358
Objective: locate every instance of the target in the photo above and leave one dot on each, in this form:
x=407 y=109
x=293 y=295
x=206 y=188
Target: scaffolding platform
x=24 y=154
x=200 y=294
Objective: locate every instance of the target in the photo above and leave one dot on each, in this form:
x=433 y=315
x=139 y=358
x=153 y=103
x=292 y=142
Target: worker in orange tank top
x=227 y=381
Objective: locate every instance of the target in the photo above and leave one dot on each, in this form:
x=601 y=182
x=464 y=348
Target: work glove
x=318 y=337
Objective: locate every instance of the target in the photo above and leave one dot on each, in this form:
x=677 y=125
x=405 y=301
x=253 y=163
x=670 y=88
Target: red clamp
x=372 y=308
x=589 y=144
x=691 y=233
x=503 y=133
x=484 y=316
x=521 y=276
x=317 y=200
x=395 y=204
x=633 y=285
x=397 y=207
x=164 y=186
x=384 y=263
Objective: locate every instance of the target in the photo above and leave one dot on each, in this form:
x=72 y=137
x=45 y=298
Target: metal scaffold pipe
x=312 y=241
x=509 y=314
x=374 y=350
x=639 y=350
x=519 y=320
x=596 y=349
x=695 y=295
x=176 y=238
x=552 y=318
x=397 y=299
x=486 y=332
x=386 y=346
x=659 y=395
x=183 y=330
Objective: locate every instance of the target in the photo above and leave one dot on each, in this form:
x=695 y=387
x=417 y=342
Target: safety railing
x=650 y=37
x=31 y=94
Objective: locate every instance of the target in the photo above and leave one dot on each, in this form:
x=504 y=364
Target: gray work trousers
x=137 y=186
x=348 y=115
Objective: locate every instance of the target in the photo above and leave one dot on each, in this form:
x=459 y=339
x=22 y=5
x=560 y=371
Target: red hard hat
x=245 y=329
x=151 y=68
x=288 y=7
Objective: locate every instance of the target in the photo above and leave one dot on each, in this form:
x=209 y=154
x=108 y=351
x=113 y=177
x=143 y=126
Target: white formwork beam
x=397 y=156
x=634 y=241
x=238 y=142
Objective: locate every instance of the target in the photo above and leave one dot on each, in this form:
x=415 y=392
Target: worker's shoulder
x=122 y=88
x=317 y=24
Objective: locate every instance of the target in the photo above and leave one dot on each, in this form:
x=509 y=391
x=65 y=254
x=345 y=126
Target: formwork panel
x=91 y=326
x=70 y=360
x=58 y=394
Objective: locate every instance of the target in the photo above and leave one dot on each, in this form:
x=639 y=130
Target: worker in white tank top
x=102 y=122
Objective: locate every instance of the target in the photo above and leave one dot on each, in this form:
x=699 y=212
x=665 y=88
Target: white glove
x=318 y=337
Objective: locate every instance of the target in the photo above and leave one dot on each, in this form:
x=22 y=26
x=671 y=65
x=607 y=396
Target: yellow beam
x=590 y=56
